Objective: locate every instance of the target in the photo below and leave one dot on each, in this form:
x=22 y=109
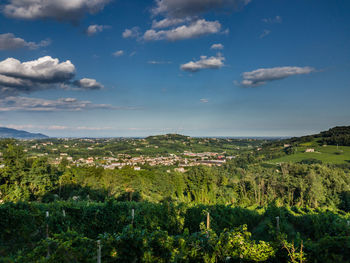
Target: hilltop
x=331 y=146
x=18 y=134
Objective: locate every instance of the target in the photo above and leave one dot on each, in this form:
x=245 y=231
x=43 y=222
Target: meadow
x=326 y=154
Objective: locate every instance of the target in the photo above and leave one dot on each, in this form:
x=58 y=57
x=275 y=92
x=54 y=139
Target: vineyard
x=165 y=232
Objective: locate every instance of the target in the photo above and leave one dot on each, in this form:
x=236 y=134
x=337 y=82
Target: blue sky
x=200 y=68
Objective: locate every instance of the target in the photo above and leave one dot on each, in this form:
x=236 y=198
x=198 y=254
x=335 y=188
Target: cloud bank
x=40 y=105
x=9 y=41
x=261 y=76
x=204 y=63
x=61 y=10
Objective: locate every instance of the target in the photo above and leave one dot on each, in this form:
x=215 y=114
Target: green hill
x=332 y=147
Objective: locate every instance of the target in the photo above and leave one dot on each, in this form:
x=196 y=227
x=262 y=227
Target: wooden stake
x=132 y=216
x=208 y=220
x=278 y=223
x=47 y=224
x=47 y=232
x=98 y=251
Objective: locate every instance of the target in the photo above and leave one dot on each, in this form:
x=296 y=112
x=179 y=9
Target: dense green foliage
x=337 y=136
x=170 y=233
x=239 y=182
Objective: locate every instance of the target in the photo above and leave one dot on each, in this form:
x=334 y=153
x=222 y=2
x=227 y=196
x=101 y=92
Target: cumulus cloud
x=261 y=76
x=118 y=53
x=18 y=77
x=61 y=10
x=45 y=69
x=131 y=33
x=204 y=100
x=184 y=8
x=217 y=46
x=88 y=84
x=9 y=41
x=204 y=63
x=94 y=29
x=273 y=20
x=195 y=29
x=37 y=105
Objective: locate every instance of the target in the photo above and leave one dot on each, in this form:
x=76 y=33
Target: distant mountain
x=17 y=134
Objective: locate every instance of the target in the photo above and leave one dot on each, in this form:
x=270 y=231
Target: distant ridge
x=18 y=134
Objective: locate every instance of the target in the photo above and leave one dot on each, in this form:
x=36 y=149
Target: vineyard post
x=47 y=231
x=98 y=251
x=278 y=223
x=208 y=220
x=64 y=217
x=47 y=224
x=132 y=216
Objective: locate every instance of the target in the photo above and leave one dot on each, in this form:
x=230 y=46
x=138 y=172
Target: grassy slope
x=326 y=154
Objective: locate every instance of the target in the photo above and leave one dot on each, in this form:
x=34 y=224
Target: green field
x=326 y=154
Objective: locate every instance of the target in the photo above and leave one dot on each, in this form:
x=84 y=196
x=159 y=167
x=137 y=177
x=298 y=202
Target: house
x=310 y=150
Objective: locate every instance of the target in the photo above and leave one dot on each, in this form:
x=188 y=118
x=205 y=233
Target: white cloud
x=118 y=53
x=265 y=33
x=131 y=33
x=168 y=22
x=204 y=100
x=18 y=77
x=88 y=84
x=8 y=41
x=196 y=29
x=217 y=46
x=273 y=20
x=204 y=63
x=62 y=10
x=38 y=105
x=261 y=76
x=94 y=29
x=44 y=69
x=184 y=8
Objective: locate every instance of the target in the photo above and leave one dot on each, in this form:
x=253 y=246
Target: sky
x=112 y=68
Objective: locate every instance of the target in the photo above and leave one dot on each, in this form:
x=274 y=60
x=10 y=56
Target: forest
x=247 y=210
